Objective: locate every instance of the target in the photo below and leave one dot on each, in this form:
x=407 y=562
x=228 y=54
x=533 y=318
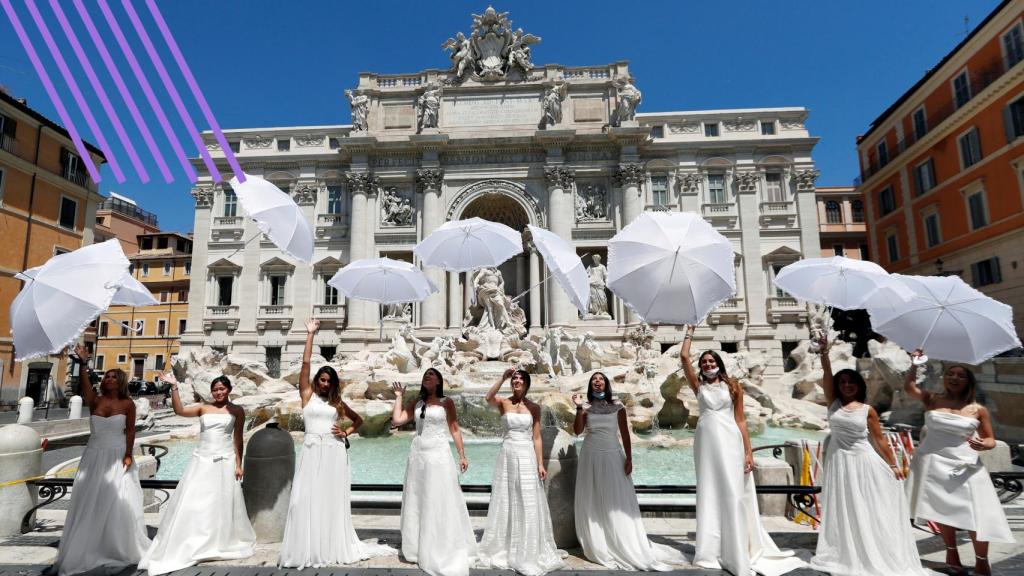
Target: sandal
x=982 y=560
x=957 y=568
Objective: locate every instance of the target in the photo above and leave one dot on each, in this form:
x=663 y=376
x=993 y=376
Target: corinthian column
x=628 y=178
x=360 y=185
x=560 y=215
x=428 y=181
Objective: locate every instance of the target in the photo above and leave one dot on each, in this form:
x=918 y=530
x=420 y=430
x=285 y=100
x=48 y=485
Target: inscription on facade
x=588 y=109
x=399 y=116
x=496 y=156
x=491 y=111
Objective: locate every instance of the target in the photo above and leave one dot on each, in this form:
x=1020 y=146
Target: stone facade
x=497 y=150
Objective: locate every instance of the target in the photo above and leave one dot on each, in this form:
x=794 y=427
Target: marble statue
x=551 y=104
x=591 y=203
x=597 y=277
x=395 y=210
x=491 y=298
x=440 y=353
x=402 y=354
x=428 y=105
x=492 y=50
x=589 y=353
x=402 y=311
x=629 y=100
x=461 y=54
x=360 y=104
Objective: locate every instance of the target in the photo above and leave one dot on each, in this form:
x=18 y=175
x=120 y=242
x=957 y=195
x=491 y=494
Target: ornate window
x=833 y=212
x=773 y=188
x=230 y=203
x=659 y=190
x=716 y=189
x=334 y=200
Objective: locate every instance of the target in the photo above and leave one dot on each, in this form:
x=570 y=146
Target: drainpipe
x=28 y=225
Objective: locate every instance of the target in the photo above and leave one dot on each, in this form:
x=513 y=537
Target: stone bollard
x=997 y=459
x=21 y=456
x=25 y=407
x=772 y=471
x=269 y=466
x=75 y=408
x=560 y=462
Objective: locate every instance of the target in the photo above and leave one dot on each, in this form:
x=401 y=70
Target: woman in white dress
x=948 y=484
x=608 y=522
x=205 y=518
x=104 y=527
x=729 y=531
x=436 y=531
x=319 y=530
x=518 y=535
x=864 y=531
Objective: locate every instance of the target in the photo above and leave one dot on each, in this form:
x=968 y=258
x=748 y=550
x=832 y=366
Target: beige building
x=47 y=207
x=841 y=223
x=164 y=265
x=120 y=217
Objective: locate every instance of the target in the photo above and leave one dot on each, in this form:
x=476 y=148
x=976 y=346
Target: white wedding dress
x=104 y=526
x=319 y=530
x=205 y=518
x=436 y=531
x=948 y=483
x=864 y=522
x=729 y=531
x=608 y=522
x=518 y=534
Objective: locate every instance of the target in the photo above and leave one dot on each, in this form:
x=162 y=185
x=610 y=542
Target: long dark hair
x=439 y=391
x=734 y=386
x=607 y=388
x=862 y=386
x=969 y=395
x=526 y=379
x=334 y=391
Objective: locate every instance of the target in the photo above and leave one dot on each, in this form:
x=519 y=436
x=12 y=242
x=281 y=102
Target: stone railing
x=331 y=226
x=329 y=309
x=399 y=81
x=227 y=221
x=775 y=302
x=587 y=73
x=784 y=207
x=275 y=310
x=222 y=311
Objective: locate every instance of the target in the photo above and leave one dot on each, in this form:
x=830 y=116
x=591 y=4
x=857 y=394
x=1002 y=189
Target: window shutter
x=997 y=275
x=1008 y=124
x=932 y=181
x=974 y=274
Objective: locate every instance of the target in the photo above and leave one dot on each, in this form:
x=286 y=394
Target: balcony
x=782 y=308
x=274 y=316
x=8 y=144
x=723 y=215
x=778 y=214
x=221 y=316
x=330 y=315
x=76 y=177
x=331 y=226
x=129 y=209
x=227 y=229
x=732 y=311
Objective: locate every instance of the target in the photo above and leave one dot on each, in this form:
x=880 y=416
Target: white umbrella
x=566 y=267
x=277 y=215
x=131 y=292
x=62 y=297
x=946 y=318
x=838 y=282
x=671 y=267
x=384 y=281
x=463 y=245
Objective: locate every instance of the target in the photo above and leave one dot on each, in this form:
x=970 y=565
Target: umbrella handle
x=125 y=325
x=546 y=278
x=247 y=242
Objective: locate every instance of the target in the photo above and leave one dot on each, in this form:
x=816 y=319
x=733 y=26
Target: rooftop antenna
x=967 y=29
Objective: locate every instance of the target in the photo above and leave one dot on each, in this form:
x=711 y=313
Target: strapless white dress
x=104 y=526
x=205 y=518
x=518 y=534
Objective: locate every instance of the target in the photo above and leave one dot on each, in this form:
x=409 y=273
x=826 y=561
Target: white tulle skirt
x=205 y=519
x=104 y=526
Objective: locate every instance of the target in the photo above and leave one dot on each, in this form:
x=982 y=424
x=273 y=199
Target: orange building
x=164 y=265
x=47 y=207
x=120 y=217
x=841 y=222
x=942 y=169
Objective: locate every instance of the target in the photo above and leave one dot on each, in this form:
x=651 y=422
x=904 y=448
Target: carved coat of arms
x=493 y=49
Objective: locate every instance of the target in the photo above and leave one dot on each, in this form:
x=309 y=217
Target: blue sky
x=271 y=63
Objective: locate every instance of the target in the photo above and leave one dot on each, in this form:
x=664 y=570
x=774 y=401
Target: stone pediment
x=224 y=265
x=277 y=264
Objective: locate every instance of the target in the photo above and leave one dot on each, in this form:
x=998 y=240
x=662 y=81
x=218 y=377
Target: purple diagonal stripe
x=97 y=87
x=76 y=93
x=126 y=95
x=194 y=86
x=161 y=70
x=51 y=91
x=133 y=63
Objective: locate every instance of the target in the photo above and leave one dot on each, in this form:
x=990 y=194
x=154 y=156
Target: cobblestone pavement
x=31 y=554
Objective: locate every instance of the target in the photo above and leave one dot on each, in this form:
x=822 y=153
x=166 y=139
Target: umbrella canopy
x=946 y=318
x=277 y=215
x=838 y=282
x=383 y=280
x=131 y=292
x=463 y=245
x=671 y=267
x=565 y=266
x=62 y=297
